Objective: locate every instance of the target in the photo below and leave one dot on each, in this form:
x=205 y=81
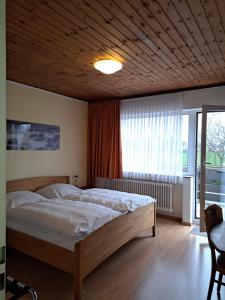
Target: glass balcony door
x=210 y=158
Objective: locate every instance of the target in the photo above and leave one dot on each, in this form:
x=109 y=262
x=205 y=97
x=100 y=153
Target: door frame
x=2 y=146
x=205 y=109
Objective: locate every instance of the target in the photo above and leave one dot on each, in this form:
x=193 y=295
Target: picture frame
x=23 y=135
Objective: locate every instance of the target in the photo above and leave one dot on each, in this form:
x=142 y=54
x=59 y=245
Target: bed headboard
x=34 y=183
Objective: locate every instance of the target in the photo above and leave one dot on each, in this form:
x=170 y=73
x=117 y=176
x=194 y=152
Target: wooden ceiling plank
x=46 y=53
x=155 y=10
x=178 y=57
x=130 y=39
x=52 y=44
x=188 y=19
x=172 y=13
x=203 y=23
x=184 y=62
x=221 y=10
x=44 y=58
x=57 y=47
x=135 y=55
x=76 y=89
x=151 y=75
x=209 y=81
x=215 y=20
x=39 y=61
x=43 y=36
x=159 y=41
x=128 y=15
x=148 y=80
x=39 y=72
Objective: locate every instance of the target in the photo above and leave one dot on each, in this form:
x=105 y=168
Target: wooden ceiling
x=163 y=45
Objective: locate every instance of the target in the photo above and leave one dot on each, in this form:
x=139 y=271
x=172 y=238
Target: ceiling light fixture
x=108 y=66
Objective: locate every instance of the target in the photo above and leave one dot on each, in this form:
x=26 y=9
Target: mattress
x=115 y=200
x=64 y=217
x=66 y=242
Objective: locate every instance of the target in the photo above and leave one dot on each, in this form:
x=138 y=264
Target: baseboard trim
x=173 y=218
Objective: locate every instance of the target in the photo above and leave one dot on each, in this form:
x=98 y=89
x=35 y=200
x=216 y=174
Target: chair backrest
x=213 y=216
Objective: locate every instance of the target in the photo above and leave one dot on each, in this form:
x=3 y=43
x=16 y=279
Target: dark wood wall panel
x=163 y=45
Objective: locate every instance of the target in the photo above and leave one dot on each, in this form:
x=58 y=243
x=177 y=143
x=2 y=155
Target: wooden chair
x=214 y=216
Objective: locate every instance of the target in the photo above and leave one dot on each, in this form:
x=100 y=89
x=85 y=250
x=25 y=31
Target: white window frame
x=192 y=140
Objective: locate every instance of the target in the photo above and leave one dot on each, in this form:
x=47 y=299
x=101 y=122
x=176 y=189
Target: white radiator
x=162 y=192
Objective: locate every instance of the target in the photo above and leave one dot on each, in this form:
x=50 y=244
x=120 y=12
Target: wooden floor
x=175 y=265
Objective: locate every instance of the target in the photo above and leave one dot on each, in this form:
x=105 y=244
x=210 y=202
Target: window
x=152 y=139
x=185 y=141
x=189 y=141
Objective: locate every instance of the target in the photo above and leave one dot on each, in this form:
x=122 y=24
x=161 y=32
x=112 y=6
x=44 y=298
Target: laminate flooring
x=175 y=265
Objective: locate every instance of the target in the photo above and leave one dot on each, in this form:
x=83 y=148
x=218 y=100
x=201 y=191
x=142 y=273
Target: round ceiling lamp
x=108 y=66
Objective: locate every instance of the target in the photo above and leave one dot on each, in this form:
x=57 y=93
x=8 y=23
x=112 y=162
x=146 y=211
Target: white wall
x=196 y=98
x=30 y=104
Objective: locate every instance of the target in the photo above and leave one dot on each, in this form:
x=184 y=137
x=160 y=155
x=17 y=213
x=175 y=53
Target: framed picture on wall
x=32 y=136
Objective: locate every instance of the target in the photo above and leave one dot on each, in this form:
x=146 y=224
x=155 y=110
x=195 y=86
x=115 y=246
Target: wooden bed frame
x=89 y=252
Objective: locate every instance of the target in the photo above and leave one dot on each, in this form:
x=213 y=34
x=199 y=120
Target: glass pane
x=198 y=165
x=185 y=131
x=215 y=161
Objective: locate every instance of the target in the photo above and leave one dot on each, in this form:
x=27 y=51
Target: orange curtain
x=104 y=143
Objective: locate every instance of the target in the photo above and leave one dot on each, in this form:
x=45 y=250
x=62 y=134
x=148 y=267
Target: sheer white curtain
x=151 y=129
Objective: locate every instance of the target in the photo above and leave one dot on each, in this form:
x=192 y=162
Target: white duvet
x=63 y=216
x=116 y=200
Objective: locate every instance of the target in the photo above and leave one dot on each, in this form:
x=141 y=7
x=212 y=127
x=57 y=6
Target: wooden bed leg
x=153 y=227
x=153 y=231
x=77 y=289
x=78 y=280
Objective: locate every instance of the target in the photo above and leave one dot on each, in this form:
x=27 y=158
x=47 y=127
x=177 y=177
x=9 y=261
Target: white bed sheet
x=116 y=200
x=72 y=218
x=66 y=242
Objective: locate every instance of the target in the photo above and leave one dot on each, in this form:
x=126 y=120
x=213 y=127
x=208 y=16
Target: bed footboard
x=99 y=245
x=91 y=251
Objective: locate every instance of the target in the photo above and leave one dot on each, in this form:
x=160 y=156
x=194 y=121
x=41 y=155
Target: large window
x=152 y=139
x=141 y=133
x=150 y=145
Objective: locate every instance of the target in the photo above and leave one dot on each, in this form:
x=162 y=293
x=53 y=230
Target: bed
x=89 y=252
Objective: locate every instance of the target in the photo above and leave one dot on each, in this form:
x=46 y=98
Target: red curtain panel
x=104 y=141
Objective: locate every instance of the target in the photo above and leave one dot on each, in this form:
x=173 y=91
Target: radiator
x=162 y=192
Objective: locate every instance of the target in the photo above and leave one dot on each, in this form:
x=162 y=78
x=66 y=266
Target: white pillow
x=58 y=190
x=18 y=198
